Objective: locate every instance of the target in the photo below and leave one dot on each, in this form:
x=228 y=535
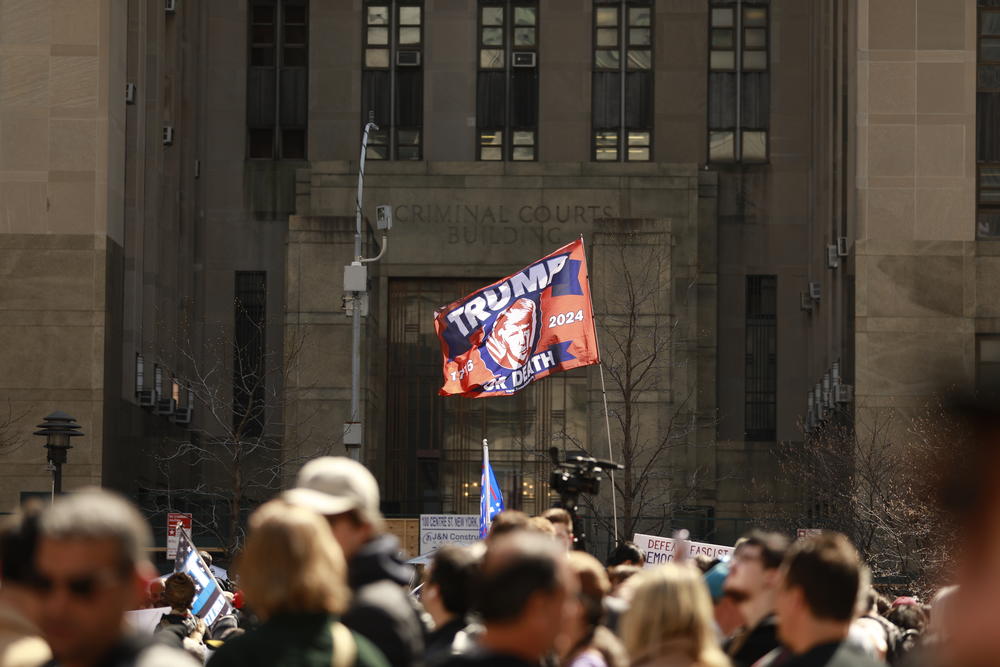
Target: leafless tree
x=871 y=480
x=235 y=456
x=647 y=349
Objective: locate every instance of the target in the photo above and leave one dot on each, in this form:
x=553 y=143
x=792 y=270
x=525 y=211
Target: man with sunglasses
x=91 y=568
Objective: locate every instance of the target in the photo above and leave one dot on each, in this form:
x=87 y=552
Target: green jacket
x=292 y=640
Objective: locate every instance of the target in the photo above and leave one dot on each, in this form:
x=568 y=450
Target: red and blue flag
x=533 y=323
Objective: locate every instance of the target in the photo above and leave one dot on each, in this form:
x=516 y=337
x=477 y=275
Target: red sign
x=176 y=520
x=538 y=321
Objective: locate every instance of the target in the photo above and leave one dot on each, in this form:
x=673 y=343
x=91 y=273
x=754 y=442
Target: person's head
x=205 y=556
x=92 y=567
x=670 y=608
x=820 y=579
x=619 y=574
x=563 y=523
x=593 y=583
x=179 y=590
x=537 y=524
x=291 y=563
x=908 y=617
x=525 y=592
x=508 y=521
x=449 y=585
x=753 y=570
x=346 y=493
x=626 y=553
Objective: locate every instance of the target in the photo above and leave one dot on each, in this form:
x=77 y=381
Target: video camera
x=576 y=475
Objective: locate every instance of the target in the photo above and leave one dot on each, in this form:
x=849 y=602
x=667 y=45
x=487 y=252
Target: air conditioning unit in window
x=182 y=416
x=815 y=291
x=164 y=406
x=832 y=258
x=168 y=135
x=145 y=398
x=129 y=93
x=842 y=246
x=170 y=6
x=524 y=59
x=843 y=393
x=408 y=58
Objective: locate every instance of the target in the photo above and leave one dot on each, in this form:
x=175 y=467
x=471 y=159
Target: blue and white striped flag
x=209 y=602
x=490 y=497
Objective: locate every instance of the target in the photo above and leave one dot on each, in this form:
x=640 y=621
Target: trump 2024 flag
x=498 y=340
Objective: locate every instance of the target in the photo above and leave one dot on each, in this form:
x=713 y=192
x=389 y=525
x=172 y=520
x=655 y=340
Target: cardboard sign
x=665 y=549
x=175 y=520
x=437 y=530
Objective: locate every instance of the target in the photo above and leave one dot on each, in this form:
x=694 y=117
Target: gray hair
x=94 y=513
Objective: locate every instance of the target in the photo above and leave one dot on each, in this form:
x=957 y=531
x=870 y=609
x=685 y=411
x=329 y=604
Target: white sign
x=664 y=549
x=437 y=530
x=144 y=621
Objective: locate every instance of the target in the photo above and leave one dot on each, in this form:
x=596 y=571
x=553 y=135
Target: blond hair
x=292 y=563
x=671 y=611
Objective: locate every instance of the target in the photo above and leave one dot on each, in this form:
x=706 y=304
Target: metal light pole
x=356 y=283
x=58 y=428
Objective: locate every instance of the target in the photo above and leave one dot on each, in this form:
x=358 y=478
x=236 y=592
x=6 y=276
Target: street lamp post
x=58 y=428
x=356 y=286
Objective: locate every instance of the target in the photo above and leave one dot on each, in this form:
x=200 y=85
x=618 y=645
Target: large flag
x=490 y=496
x=209 y=602
x=535 y=322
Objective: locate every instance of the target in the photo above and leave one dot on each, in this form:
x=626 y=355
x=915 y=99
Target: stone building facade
x=178 y=183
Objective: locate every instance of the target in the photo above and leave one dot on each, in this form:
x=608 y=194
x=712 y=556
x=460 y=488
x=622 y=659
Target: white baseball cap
x=332 y=485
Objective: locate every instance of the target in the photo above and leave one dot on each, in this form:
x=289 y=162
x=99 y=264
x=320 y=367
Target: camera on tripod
x=576 y=475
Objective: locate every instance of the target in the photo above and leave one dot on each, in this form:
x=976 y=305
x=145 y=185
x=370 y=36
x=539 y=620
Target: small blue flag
x=490 y=497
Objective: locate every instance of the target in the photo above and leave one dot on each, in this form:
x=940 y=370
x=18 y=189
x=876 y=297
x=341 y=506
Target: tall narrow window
x=277 y=79
x=739 y=91
x=761 y=357
x=507 y=84
x=988 y=122
x=249 y=372
x=392 y=81
x=622 y=80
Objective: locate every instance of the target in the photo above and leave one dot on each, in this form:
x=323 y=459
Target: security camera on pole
x=356 y=298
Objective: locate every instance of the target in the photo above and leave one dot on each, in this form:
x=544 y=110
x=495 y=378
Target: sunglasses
x=84 y=587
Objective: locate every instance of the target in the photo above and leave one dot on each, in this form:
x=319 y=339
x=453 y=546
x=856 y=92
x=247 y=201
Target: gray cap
x=332 y=485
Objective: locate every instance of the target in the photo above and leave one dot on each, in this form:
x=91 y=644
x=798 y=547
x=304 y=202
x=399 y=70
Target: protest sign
x=144 y=621
x=436 y=530
x=664 y=549
x=175 y=521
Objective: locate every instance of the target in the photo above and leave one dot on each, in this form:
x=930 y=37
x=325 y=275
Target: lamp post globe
x=57 y=429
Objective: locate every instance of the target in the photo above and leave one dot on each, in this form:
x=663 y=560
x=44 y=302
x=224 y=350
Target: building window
x=277 y=79
x=392 y=81
x=249 y=372
x=739 y=105
x=761 y=357
x=988 y=122
x=622 y=81
x=507 y=81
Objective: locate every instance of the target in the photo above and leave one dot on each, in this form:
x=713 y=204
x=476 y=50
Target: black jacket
x=836 y=654
x=751 y=645
x=382 y=609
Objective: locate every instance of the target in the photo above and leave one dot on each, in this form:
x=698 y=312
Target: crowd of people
x=321 y=583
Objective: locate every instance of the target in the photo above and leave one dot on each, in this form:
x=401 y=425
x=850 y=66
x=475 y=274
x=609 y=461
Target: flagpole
x=486 y=491
x=607 y=420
